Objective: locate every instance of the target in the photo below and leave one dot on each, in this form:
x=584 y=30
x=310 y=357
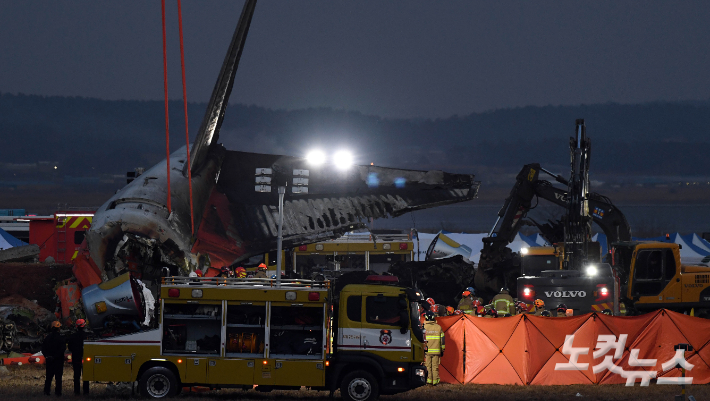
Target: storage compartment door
x=230 y=371
x=112 y=368
x=196 y=370
x=299 y=373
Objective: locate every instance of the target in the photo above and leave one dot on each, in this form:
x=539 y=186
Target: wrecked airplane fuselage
x=134 y=231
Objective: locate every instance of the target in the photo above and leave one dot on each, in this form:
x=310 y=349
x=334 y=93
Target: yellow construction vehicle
x=535 y=259
x=653 y=277
x=222 y=332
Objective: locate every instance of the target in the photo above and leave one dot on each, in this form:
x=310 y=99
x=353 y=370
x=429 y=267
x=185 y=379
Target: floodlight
x=343 y=159
x=315 y=157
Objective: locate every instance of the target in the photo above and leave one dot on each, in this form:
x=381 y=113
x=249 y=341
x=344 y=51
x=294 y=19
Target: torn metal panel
x=140 y=210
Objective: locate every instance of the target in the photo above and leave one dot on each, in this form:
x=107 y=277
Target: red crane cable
x=184 y=101
x=167 y=119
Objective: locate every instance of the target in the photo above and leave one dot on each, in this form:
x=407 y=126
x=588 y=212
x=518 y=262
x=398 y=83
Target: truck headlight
x=591 y=270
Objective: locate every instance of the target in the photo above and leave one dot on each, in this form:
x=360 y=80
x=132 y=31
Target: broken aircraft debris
x=135 y=230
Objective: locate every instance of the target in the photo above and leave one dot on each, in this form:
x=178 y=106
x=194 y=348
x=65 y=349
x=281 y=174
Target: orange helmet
x=56 y=324
x=241 y=272
x=450 y=310
x=434 y=308
x=539 y=303
x=476 y=303
x=466 y=293
x=262 y=266
x=431 y=301
x=198 y=272
x=80 y=323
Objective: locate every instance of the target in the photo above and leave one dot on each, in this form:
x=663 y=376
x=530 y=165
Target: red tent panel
x=480 y=350
x=447 y=321
x=555 y=328
x=700 y=372
x=631 y=325
x=704 y=355
x=452 y=363
x=658 y=339
x=614 y=378
x=696 y=330
x=498 y=330
x=549 y=376
x=586 y=336
x=527 y=350
x=498 y=372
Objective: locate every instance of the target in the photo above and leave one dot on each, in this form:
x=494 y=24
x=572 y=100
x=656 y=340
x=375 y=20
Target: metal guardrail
x=243 y=282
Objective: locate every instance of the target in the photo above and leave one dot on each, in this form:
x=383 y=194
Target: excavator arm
x=498 y=265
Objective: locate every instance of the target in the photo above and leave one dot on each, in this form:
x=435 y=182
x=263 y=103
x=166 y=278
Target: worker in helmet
x=466 y=302
x=261 y=271
x=491 y=313
x=539 y=307
x=53 y=349
x=473 y=294
x=561 y=310
x=435 y=347
x=503 y=302
x=449 y=310
x=76 y=347
x=240 y=272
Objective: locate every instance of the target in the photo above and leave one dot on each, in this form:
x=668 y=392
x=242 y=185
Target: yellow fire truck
x=224 y=333
x=353 y=252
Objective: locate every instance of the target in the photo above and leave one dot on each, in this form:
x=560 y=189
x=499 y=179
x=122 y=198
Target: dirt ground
x=24 y=383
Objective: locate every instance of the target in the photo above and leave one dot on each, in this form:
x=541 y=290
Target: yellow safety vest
x=503 y=303
x=434 y=338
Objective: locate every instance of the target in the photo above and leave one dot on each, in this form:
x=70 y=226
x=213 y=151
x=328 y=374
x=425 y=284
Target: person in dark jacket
x=76 y=347
x=53 y=349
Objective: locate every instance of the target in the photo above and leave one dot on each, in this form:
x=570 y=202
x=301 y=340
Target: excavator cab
x=535 y=260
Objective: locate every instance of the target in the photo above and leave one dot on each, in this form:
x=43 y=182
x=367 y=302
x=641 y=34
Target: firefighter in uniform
x=75 y=342
x=539 y=307
x=473 y=295
x=261 y=271
x=435 y=348
x=561 y=310
x=53 y=349
x=466 y=302
x=503 y=302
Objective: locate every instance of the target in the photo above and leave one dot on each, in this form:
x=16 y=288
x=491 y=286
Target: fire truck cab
x=223 y=333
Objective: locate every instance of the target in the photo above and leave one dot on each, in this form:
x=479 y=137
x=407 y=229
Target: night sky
x=393 y=58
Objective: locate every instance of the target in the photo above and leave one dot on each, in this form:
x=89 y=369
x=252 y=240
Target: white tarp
x=475 y=242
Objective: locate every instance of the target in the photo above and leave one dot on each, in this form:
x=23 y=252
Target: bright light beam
x=343 y=159
x=315 y=157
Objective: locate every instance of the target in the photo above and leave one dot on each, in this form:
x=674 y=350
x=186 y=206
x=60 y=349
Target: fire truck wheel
x=359 y=386
x=158 y=382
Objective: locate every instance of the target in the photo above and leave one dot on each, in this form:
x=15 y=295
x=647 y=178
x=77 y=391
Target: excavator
x=574 y=249
x=633 y=277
